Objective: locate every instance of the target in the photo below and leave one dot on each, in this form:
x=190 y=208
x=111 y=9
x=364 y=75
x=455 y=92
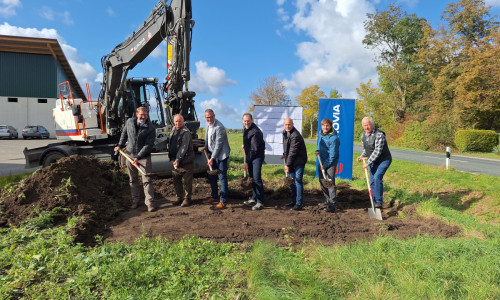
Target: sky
x=236 y=44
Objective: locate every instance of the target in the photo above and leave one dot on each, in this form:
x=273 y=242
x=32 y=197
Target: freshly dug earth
x=100 y=194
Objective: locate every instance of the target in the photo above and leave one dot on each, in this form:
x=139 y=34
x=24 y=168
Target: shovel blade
x=375 y=213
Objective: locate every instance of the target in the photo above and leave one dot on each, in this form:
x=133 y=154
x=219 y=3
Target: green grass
x=38 y=261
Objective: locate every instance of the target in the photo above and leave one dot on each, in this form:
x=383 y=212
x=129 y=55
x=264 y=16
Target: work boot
x=290 y=204
x=258 y=206
x=133 y=206
x=330 y=208
x=378 y=205
x=211 y=200
x=178 y=202
x=250 y=202
x=221 y=205
x=151 y=208
x=186 y=202
x=323 y=203
x=296 y=207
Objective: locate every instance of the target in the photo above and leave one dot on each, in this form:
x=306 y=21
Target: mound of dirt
x=82 y=185
x=99 y=192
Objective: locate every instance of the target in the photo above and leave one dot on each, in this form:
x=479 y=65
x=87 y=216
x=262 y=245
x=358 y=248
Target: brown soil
x=101 y=195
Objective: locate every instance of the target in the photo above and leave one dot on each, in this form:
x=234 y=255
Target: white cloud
x=334 y=57
x=224 y=112
x=67 y=18
x=160 y=50
x=8 y=7
x=110 y=11
x=49 y=14
x=46 y=13
x=208 y=79
x=84 y=72
x=493 y=3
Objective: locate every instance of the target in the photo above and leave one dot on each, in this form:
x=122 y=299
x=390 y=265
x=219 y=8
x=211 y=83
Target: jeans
x=222 y=166
x=298 y=187
x=377 y=171
x=254 y=171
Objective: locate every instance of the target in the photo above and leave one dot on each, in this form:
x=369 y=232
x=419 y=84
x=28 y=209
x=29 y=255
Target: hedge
x=476 y=140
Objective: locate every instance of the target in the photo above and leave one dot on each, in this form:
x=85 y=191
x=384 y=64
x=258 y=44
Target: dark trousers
x=183 y=183
x=330 y=193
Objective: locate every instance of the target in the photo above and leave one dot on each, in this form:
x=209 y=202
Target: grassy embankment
x=41 y=262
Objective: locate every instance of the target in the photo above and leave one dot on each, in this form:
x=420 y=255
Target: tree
x=469 y=19
x=335 y=94
x=462 y=64
x=271 y=92
x=396 y=36
x=309 y=100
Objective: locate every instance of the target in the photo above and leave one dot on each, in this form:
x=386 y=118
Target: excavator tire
x=52 y=157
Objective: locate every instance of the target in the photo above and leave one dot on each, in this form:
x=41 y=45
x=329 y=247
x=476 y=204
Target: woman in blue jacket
x=328 y=151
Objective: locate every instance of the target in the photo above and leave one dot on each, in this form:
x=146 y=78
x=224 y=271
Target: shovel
x=210 y=172
x=288 y=180
x=327 y=182
x=373 y=212
x=178 y=171
x=132 y=162
x=245 y=182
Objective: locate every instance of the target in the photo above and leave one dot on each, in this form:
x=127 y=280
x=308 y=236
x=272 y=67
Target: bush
x=476 y=140
x=413 y=136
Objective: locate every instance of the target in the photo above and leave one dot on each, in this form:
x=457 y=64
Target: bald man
x=181 y=154
x=295 y=156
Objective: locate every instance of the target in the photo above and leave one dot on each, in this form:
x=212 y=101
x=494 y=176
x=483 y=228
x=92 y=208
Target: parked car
x=36 y=131
x=7 y=131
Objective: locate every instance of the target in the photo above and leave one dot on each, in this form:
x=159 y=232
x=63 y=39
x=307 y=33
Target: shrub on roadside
x=476 y=140
x=413 y=136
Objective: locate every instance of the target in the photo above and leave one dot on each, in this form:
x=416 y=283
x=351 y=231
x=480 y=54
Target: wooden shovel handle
x=368 y=183
x=132 y=162
x=206 y=155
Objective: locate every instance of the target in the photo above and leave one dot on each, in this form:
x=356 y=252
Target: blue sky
x=236 y=45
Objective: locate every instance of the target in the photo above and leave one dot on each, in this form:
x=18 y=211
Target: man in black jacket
x=295 y=155
x=253 y=145
x=181 y=154
x=139 y=134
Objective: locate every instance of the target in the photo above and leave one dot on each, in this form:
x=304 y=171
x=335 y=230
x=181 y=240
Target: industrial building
x=30 y=72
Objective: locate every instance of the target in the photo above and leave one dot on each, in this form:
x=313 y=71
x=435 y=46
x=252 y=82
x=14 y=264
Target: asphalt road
x=12 y=158
x=461 y=163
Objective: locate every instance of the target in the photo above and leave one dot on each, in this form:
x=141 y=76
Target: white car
x=7 y=131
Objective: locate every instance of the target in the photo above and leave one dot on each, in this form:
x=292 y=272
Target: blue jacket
x=328 y=148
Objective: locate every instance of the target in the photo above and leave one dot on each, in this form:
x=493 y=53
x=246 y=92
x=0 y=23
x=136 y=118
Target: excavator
x=88 y=127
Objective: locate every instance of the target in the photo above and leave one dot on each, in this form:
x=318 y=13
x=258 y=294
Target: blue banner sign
x=341 y=112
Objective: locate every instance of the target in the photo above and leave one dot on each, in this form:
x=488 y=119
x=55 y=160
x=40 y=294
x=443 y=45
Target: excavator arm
x=171 y=22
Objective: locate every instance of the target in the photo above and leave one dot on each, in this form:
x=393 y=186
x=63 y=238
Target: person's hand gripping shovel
x=211 y=171
x=288 y=180
x=245 y=182
x=326 y=181
x=132 y=161
x=373 y=212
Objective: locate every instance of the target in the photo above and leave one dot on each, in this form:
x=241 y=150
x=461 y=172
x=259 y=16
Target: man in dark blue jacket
x=254 y=146
x=139 y=134
x=295 y=155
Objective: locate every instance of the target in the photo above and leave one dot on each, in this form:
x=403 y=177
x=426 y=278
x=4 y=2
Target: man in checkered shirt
x=375 y=148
